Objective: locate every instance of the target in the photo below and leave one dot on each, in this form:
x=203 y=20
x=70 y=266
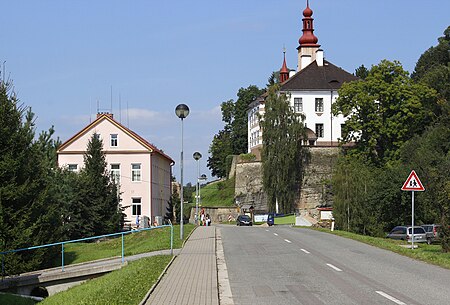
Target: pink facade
x=142 y=171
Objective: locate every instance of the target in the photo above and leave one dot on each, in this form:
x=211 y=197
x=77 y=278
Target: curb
x=147 y=296
x=224 y=289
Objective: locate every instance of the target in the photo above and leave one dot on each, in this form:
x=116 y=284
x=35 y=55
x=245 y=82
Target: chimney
x=319 y=57
x=109 y=115
x=305 y=61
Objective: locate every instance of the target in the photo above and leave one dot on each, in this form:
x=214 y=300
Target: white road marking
x=387 y=296
x=306 y=251
x=275 y=234
x=267 y=230
x=288 y=241
x=334 y=267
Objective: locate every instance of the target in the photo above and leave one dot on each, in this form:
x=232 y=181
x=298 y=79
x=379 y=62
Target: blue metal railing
x=62 y=243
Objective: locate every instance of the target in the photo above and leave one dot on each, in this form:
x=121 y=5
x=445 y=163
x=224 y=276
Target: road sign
x=413 y=183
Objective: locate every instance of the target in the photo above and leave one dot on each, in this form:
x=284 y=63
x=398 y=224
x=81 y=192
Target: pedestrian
x=202 y=217
x=208 y=220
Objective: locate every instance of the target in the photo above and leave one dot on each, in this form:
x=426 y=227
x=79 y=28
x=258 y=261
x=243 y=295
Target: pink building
x=142 y=171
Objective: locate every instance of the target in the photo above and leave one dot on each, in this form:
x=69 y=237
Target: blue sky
x=64 y=56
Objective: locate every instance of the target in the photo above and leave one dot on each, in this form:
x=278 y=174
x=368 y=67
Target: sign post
x=412 y=184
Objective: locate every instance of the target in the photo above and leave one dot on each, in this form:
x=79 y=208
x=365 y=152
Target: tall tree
x=99 y=193
x=283 y=154
x=384 y=111
x=233 y=138
x=362 y=72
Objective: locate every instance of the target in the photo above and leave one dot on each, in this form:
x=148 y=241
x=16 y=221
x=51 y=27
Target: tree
x=98 y=211
x=233 y=138
x=283 y=155
x=24 y=167
x=362 y=72
x=384 y=111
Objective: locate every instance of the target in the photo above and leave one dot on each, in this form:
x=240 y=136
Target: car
x=432 y=232
x=405 y=233
x=270 y=219
x=244 y=220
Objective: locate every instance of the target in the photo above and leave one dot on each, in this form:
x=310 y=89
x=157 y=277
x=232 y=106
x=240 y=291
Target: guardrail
x=62 y=243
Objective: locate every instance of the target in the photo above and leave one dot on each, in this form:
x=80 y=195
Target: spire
x=308 y=39
x=284 y=72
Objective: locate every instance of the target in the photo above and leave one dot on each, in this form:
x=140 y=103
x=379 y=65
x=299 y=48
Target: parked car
x=432 y=232
x=244 y=220
x=271 y=219
x=405 y=233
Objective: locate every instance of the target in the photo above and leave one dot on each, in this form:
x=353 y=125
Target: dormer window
x=114 y=140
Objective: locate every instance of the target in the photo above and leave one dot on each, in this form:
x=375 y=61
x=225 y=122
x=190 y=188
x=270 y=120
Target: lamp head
x=197 y=156
x=182 y=111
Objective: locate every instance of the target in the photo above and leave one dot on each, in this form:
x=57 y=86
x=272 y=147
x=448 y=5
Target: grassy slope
x=9 y=299
x=285 y=220
x=135 y=243
x=218 y=194
x=126 y=286
x=428 y=253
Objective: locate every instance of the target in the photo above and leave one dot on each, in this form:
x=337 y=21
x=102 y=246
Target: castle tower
x=308 y=42
x=284 y=71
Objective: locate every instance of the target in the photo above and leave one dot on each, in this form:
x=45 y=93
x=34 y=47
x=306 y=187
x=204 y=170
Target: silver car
x=405 y=233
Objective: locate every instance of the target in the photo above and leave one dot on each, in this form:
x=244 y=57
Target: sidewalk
x=192 y=277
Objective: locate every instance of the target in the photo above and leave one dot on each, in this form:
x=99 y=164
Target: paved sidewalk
x=192 y=277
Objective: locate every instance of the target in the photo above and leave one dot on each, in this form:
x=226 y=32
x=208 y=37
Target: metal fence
x=88 y=238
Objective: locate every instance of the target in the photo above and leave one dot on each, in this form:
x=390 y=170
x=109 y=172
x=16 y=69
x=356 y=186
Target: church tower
x=308 y=48
x=284 y=71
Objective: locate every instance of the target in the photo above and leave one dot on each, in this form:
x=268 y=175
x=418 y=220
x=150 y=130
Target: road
x=284 y=265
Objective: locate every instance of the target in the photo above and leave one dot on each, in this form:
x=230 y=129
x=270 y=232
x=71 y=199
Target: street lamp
x=182 y=111
x=197 y=156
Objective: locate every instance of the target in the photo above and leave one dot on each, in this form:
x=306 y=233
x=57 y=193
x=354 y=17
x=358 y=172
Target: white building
x=142 y=171
x=312 y=90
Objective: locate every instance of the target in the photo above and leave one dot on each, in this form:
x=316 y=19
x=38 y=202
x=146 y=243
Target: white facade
x=142 y=171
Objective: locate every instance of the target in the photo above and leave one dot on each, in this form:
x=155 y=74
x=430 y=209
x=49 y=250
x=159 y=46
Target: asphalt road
x=284 y=265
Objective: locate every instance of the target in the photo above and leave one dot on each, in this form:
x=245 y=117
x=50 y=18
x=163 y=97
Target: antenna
x=120 y=109
x=128 y=119
x=111 y=101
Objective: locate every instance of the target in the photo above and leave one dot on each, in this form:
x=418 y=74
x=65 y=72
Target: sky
x=140 y=59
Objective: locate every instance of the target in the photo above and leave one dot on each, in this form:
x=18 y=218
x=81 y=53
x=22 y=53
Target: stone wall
x=218 y=214
x=249 y=186
x=316 y=184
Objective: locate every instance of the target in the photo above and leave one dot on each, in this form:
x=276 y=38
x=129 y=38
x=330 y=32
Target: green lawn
x=218 y=194
x=428 y=253
x=134 y=243
x=285 y=220
x=9 y=299
x=126 y=286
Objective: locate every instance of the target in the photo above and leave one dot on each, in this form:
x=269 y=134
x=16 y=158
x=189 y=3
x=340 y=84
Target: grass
x=427 y=253
x=126 y=286
x=10 y=299
x=134 y=243
x=218 y=194
x=285 y=220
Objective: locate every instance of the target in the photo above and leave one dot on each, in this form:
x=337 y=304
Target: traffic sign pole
x=412 y=217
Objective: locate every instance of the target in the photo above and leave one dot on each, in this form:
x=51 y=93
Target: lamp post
x=197 y=156
x=182 y=111
x=200 y=178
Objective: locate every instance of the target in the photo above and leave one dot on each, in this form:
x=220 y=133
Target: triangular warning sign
x=413 y=183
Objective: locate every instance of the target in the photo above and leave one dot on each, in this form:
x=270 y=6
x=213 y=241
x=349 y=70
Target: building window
x=319 y=130
x=114 y=140
x=298 y=104
x=136 y=172
x=72 y=167
x=342 y=131
x=136 y=207
x=115 y=173
x=319 y=104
